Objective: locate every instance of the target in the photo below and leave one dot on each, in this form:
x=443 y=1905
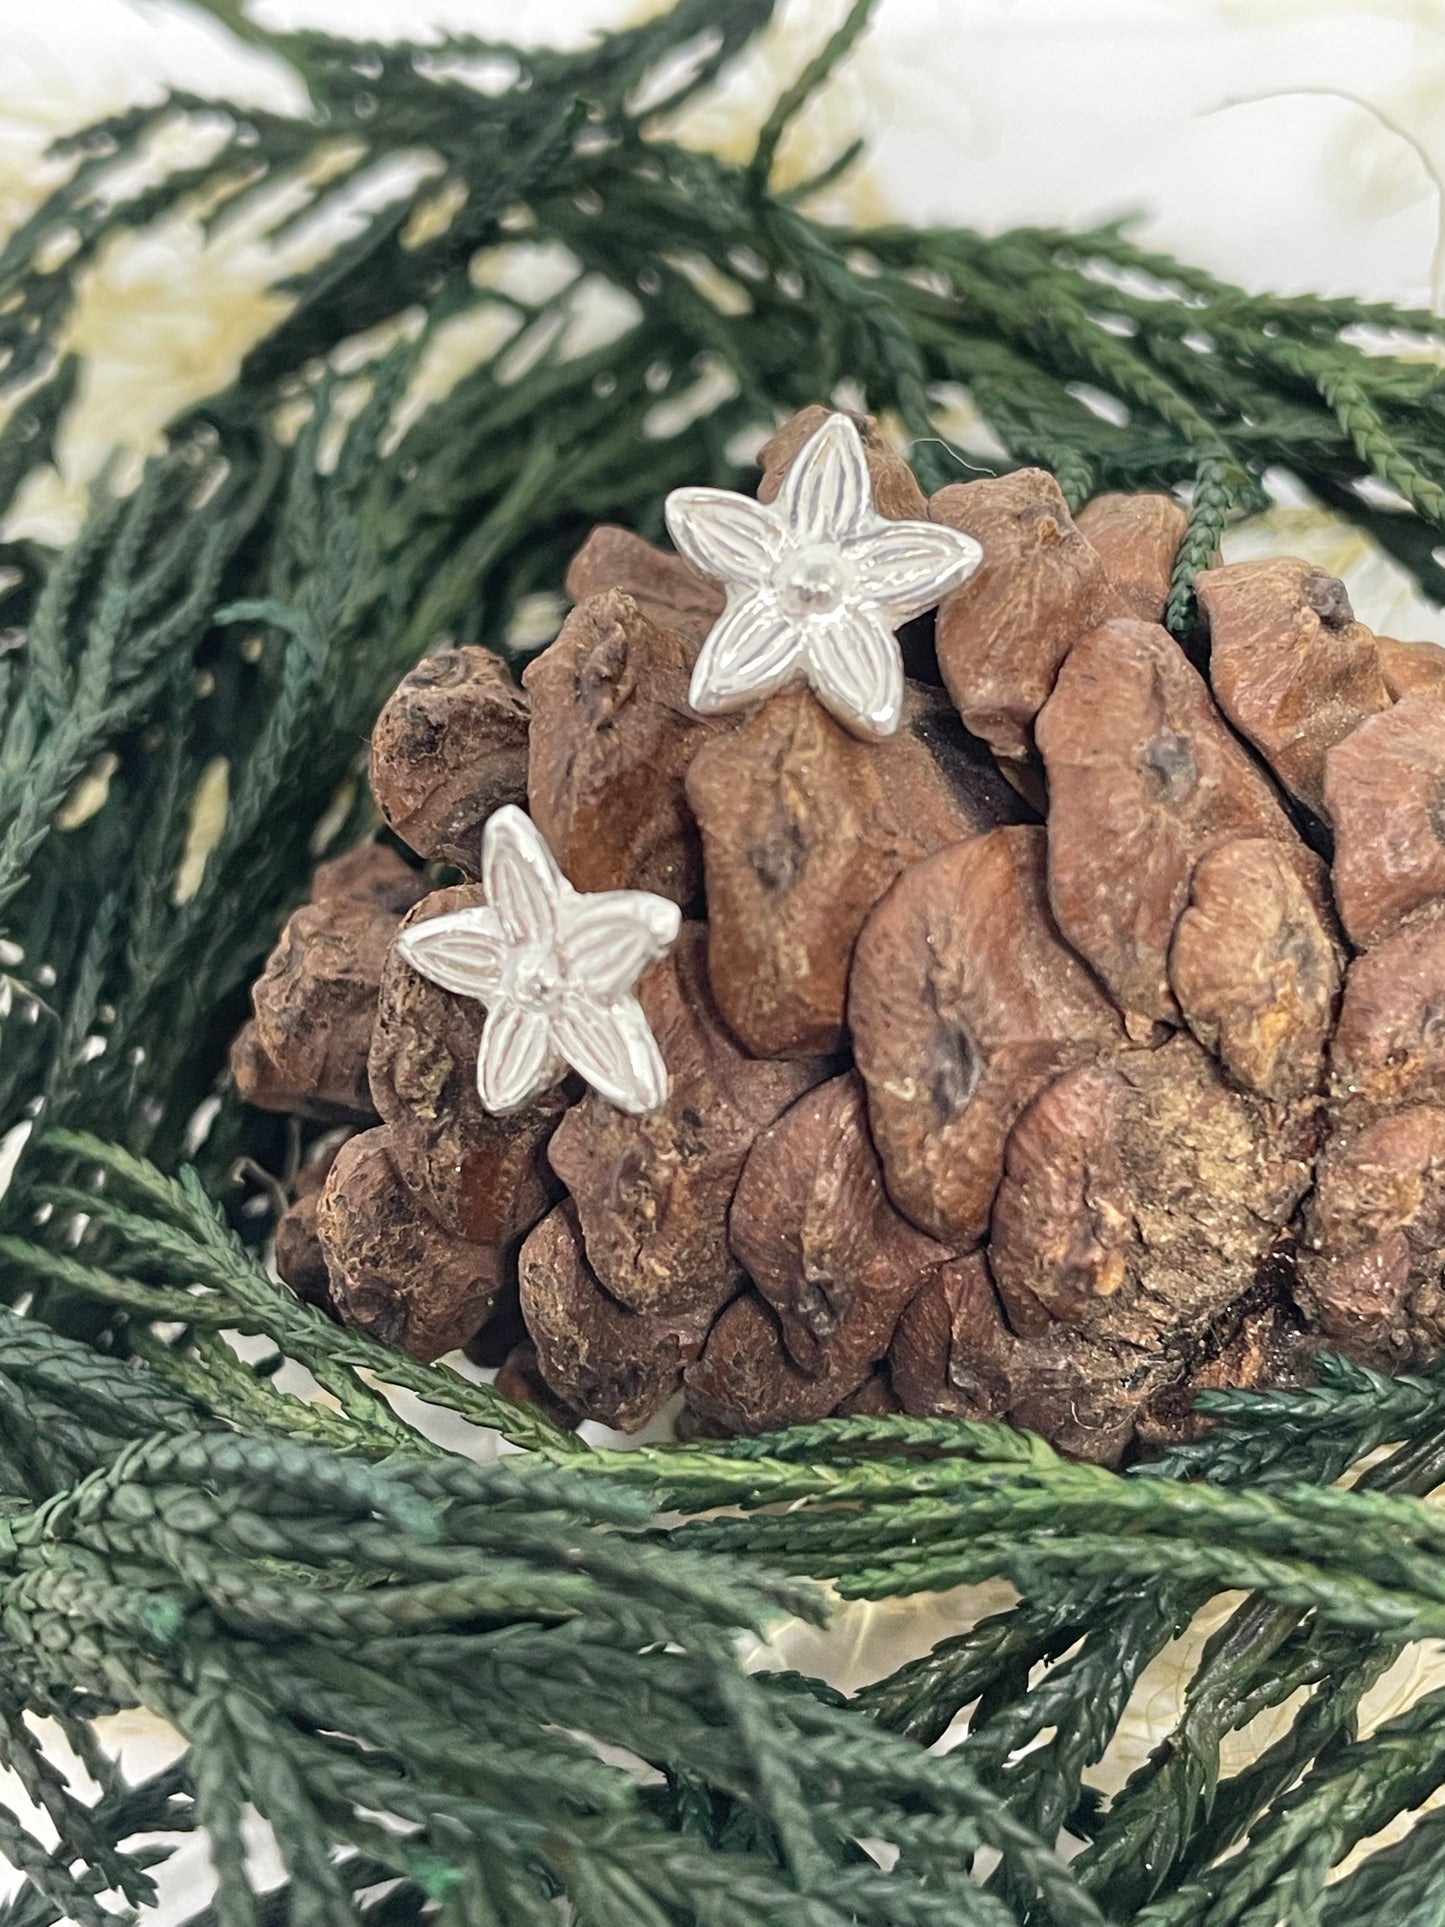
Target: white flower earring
x=817 y=582
x=557 y=971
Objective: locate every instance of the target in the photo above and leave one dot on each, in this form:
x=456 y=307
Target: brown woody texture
x=1058 y=1110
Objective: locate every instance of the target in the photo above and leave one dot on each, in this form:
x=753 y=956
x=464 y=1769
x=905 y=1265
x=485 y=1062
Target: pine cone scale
x=1144 y=777
x=1019 y=1064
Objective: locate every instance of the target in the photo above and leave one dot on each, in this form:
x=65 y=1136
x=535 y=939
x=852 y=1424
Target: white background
x=1284 y=142
x=1293 y=144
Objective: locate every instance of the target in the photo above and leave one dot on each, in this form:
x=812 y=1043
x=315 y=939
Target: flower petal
x=906 y=567
x=751 y=651
x=614 y=1049
x=516 y=1062
x=856 y=669
x=462 y=951
x=608 y=939
x=728 y=536
x=828 y=491
x=520 y=875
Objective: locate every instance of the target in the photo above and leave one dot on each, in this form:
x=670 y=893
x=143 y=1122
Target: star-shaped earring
x=817 y=582
x=556 y=970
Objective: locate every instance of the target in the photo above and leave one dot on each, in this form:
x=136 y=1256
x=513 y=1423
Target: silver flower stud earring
x=556 y=970
x=817 y=582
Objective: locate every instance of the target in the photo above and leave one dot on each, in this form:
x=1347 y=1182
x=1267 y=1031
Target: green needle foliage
x=396 y=1651
x=472 y=1690
x=345 y=1621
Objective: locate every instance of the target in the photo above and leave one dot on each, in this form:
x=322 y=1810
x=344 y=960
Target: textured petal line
x=828 y=491
x=751 y=651
x=463 y=951
x=855 y=667
x=906 y=567
x=521 y=877
x=515 y=1062
x=729 y=537
x=613 y=1047
x=607 y=940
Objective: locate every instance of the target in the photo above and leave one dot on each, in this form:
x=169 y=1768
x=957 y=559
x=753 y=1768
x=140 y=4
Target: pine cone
x=1054 y=1113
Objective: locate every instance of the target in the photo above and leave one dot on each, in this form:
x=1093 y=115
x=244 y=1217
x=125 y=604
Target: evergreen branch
x=839 y=44
x=885 y=1504
x=130 y=1578
x=156 y=1805
x=216 y=1284
x=1349 y=1413
x=343 y=1620
x=1341 y=1802
x=1399 y=1886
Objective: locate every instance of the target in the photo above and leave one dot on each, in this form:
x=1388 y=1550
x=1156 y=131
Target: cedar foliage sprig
x=266 y=1530
x=345 y=1635
x=342 y=1619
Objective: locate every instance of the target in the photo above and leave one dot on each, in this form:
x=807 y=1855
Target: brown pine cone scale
x=965 y=1001
x=653 y=1193
x=1055 y=1110
x=803 y=829
x=1144 y=779
x=1003 y=636
x=812 y=1223
x=449 y=748
x=612 y=738
x=1289 y=665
